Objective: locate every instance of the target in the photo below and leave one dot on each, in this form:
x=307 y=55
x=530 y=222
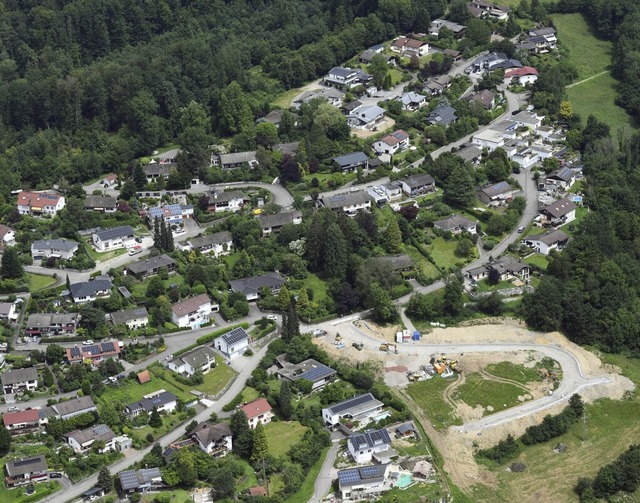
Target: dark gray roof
x=131 y=479
x=550 y=237
x=310 y=369
x=560 y=208
x=497 y=189
x=81 y=403
x=341 y=71
x=39 y=320
x=252 y=284
x=419 y=180
x=148 y=404
x=564 y=174
x=352 y=158
x=115 y=232
x=506 y=264
x=151 y=263
x=355 y=405
x=89 y=288
x=279 y=219
x=370 y=439
x=453 y=222
x=216 y=238
x=100 y=202
x=444 y=114
x=19 y=375
x=197 y=357
x=361 y=475
x=24 y=466
x=97 y=432
x=158 y=169
x=289 y=148
x=469 y=152
x=130 y=314
x=207 y=433
x=396 y=262
x=238 y=157
x=55 y=244
x=337 y=201
x=235 y=335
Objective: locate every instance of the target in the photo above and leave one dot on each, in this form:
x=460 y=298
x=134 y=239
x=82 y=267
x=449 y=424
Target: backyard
x=282 y=435
x=443 y=252
x=38 y=281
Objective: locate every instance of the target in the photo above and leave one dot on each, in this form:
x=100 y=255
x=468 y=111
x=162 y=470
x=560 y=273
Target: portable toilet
x=398 y=337
x=416 y=335
x=406 y=336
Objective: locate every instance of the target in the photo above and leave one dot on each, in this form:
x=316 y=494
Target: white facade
x=59 y=248
x=364 y=454
x=39 y=203
x=489 y=139
x=193 y=317
x=109 y=445
x=118 y=240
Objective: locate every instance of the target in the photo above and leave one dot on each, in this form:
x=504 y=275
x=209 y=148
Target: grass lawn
x=479 y=391
x=38 y=281
x=484 y=286
x=217 y=378
x=442 y=252
x=597 y=97
x=428 y=269
x=589 y=54
x=17 y=495
x=230 y=260
x=538 y=260
x=518 y=373
x=318 y=286
x=250 y=478
x=276 y=483
x=249 y=394
x=284 y=100
x=576 y=187
x=131 y=391
x=417 y=492
x=429 y=396
x=101 y=257
x=282 y=435
x=571 y=227
x=173 y=279
x=396 y=76
x=177 y=496
x=306 y=490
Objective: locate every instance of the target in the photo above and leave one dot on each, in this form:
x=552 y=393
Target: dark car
x=138 y=240
x=55 y=475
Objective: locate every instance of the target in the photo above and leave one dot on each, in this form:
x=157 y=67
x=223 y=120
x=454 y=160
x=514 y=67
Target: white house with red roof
x=39 y=203
x=25 y=421
x=94 y=352
x=524 y=75
x=258 y=411
x=192 y=312
x=392 y=143
x=409 y=46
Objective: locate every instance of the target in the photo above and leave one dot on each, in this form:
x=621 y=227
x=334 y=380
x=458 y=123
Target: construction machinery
x=358 y=345
x=387 y=347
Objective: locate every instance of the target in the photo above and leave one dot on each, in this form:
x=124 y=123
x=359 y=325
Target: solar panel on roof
x=317 y=373
x=25 y=462
x=75 y=352
x=369 y=471
x=128 y=479
x=108 y=346
x=93 y=350
x=349 y=476
x=352 y=402
x=101 y=429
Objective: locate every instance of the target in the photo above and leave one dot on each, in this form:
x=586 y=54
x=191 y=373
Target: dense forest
x=88 y=85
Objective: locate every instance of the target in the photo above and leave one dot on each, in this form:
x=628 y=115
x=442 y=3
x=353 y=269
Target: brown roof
x=144 y=376
x=560 y=208
x=190 y=305
x=408 y=42
x=257 y=407
x=257 y=491
x=24 y=416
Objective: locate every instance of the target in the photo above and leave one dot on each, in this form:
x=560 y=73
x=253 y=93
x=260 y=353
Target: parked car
x=88 y=341
x=272 y=317
x=521 y=229
x=13 y=409
x=138 y=240
x=55 y=475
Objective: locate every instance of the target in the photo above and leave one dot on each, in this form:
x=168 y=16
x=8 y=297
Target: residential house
x=407 y=430
x=393 y=190
x=331 y=95
x=289 y=148
x=318 y=374
x=496 y=194
x=364 y=446
x=273 y=117
x=507 y=267
x=94 y=353
x=71 y=408
x=520 y=153
x=7 y=237
x=409 y=46
x=558 y=213
x=553 y=239
x=160 y=400
x=225 y=201
x=442 y=115
x=192 y=312
x=168 y=157
x=412 y=101
x=52 y=324
x=82 y=440
x=250 y=287
x=359 y=408
x=258 y=411
x=233 y=343
x=486 y=98
x=218 y=244
x=539 y=41
x=39 y=203
x=104 y=204
x=135 y=318
x=154 y=171
x=235 y=161
x=563 y=178
x=528 y=119
x=457 y=29
x=415 y=185
x=351 y=162
x=88 y=291
x=18 y=380
x=25 y=421
x=456 y=224
x=363 y=483
x=26 y=471
x=349 y=202
x=496 y=61
x=214 y=439
x=202 y=359
x=453 y=54
x=141 y=481
x=109 y=180
x=484 y=8
x=366 y=117
x=490 y=139
x=8 y=311
x=436 y=86
x=346 y=78
x=377 y=195
x=56 y=248
x=392 y=143
x=113 y=239
x=150 y=266
x=523 y=76
x=367 y=56
x=470 y=153
x=172 y=214
x=273 y=223
x=396 y=263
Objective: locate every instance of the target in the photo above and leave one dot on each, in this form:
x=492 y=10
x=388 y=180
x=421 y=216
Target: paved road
x=235 y=388
x=324 y=480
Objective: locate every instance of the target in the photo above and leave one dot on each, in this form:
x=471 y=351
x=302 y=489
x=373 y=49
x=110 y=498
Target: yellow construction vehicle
x=383 y=347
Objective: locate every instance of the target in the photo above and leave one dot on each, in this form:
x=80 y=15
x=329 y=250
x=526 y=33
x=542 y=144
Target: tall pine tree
x=290 y=323
x=157 y=238
x=11 y=268
x=260 y=444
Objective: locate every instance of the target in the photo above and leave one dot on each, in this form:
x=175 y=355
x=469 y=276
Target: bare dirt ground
x=457 y=448
x=388 y=123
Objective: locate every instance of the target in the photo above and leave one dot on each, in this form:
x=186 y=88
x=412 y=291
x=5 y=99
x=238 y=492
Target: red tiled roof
x=257 y=491
x=37 y=199
x=408 y=42
x=519 y=72
x=257 y=407
x=24 y=416
x=144 y=376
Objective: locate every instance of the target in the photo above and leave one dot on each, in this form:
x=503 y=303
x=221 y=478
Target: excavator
x=387 y=347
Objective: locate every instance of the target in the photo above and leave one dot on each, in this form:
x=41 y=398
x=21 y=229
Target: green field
x=518 y=373
x=484 y=286
x=305 y=492
x=443 y=252
x=284 y=100
x=572 y=227
x=318 y=286
x=177 y=496
x=17 y=495
x=428 y=269
x=538 y=260
x=429 y=396
x=101 y=257
x=141 y=288
x=479 y=391
x=282 y=435
x=38 y=281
